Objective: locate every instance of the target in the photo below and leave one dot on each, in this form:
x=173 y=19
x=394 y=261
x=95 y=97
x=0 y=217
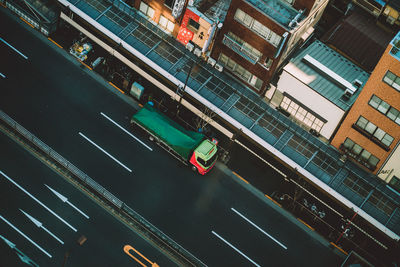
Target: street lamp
x=181 y=90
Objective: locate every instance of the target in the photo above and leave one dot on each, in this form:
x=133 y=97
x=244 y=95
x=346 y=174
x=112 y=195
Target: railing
x=232 y=44
x=141 y=223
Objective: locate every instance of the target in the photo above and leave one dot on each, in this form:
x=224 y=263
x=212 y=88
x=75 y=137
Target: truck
x=190 y=147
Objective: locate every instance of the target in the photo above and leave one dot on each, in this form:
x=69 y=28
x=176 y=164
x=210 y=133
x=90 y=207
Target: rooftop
x=394 y=4
x=395 y=51
x=359 y=38
x=215 y=10
x=328 y=73
x=279 y=11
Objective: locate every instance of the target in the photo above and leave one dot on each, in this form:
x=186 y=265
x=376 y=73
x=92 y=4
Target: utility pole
x=180 y=90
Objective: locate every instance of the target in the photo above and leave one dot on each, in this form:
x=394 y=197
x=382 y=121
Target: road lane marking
x=123 y=129
x=13 y=48
x=54 y=42
x=240 y=177
x=20 y=254
x=306 y=224
x=38 y=201
x=116 y=87
x=65 y=200
x=2 y=75
x=237 y=250
x=265 y=233
x=26 y=237
x=40 y=225
x=127 y=249
x=105 y=152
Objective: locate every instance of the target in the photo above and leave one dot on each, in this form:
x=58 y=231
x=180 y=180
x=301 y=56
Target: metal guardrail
x=143 y=223
x=61 y=160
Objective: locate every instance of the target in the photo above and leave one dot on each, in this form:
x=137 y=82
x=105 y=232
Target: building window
x=302 y=146
x=166 y=24
x=268 y=63
x=382 y=202
x=290 y=2
x=146 y=9
x=393 y=80
x=374 y=131
x=357 y=185
x=360 y=154
x=257 y=27
x=241 y=72
x=395 y=183
x=385 y=108
x=301 y=114
x=169 y=3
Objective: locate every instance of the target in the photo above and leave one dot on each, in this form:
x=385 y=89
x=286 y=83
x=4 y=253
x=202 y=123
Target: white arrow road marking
x=40 y=225
x=105 y=152
x=8 y=242
x=2 y=75
x=13 y=48
x=38 y=201
x=241 y=215
x=25 y=236
x=65 y=200
x=232 y=246
x=123 y=129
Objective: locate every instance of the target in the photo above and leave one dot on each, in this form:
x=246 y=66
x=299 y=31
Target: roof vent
x=347 y=94
x=357 y=83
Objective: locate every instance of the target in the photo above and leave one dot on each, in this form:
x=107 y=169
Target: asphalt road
x=23 y=180
x=215 y=217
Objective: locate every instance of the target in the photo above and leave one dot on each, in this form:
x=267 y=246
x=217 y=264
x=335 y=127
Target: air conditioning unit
x=197 y=52
x=190 y=47
x=219 y=67
x=211 y=61
x=343 y=158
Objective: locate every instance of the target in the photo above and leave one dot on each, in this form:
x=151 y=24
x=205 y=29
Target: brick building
x=370 y=133
x=258 y=35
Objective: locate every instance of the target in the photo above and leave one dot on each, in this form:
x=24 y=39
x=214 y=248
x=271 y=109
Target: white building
x=317 y=87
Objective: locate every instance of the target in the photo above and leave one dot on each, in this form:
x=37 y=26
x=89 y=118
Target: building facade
x=258 y=35
x=370 y=132
x=165 y=13
x=317 y=88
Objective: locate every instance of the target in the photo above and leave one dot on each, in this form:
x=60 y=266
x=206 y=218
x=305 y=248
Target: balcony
x=239 y=49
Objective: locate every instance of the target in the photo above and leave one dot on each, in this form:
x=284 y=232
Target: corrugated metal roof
x=322 y=83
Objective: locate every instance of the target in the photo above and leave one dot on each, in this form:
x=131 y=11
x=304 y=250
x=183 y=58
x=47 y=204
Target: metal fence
x=101 y=191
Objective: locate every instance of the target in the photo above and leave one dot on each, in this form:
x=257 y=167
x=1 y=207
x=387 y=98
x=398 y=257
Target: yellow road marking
x=273 y=201
x=84 y=64
x=113 y=85
x=305 y=224
x=27 y=22
x=240 y=177
x=54 y=42
x=127 y=249
x=339 y=248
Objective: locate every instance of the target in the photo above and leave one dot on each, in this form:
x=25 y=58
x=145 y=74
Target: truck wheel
x=194 y=168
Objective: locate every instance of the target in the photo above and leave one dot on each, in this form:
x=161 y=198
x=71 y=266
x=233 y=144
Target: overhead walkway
x=238 y=106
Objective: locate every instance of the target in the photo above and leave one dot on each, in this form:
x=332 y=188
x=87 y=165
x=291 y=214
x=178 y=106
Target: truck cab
x=204 y=156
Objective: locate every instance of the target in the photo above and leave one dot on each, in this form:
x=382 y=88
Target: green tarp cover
x=173 y=134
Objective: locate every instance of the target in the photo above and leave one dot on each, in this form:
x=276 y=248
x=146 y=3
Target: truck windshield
x=207 y=163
